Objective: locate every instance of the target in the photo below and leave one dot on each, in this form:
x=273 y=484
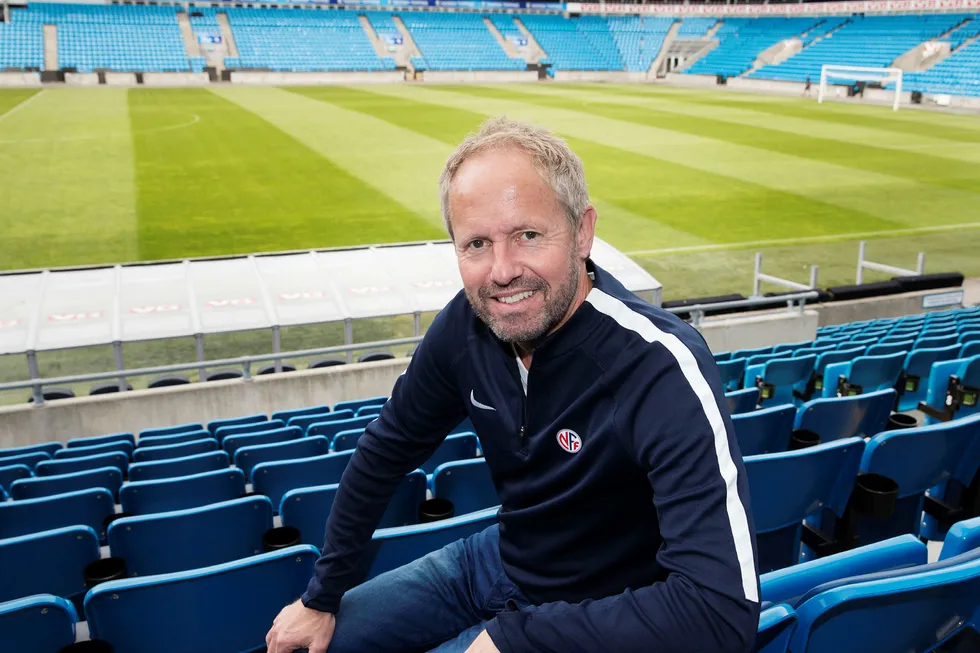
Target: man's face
x=520 y=260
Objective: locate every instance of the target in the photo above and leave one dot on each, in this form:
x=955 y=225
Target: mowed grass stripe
x=931 y=160
x=10 y=98
x=228 y=182
x=66 y=161
x=617 y=225
x=891 y=201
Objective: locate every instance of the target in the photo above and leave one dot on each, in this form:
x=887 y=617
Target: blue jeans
x=439 y=603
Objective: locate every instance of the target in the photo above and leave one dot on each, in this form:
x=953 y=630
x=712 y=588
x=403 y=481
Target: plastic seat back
x=100 y=439
x=49 y=562
x=845 y=417
x=917 y=366
x=11 y=473
x=330 y=429
x=36 y=487
x=354 y=405
x=233 y=443
x=468 y=484
x=274 y=479
x=56 y=467
x=122 y=446
x=174 y=467
x=42 y=623
x=171 y=451
x=766 y=430
x=214 y=425
x=245 y=429
x=171 y=430
x=455 y=447
x=81 y=508
x=286 y=415
x=304 y=421
x=164 y=495
x=742 y=401
x=731 y=371
x=247 y=458
x=177 y=438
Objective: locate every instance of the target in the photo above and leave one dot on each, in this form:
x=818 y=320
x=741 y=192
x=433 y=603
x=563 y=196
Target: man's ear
x=586 y=231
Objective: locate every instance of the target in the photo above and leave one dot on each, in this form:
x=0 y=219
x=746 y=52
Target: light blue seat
x=952 y=390
x=174 y=467
x=468 y=484
x=789 y=487
x=58 y=467
x=330 y=429
x=171 y=430
x=164 y=495
x=154 y=615
x=936 y=341
x=81 y=508
x=346 y=440
x=177 y=438
x=360 y=403
x=766 y=430
x=122 y=446
x=245 y=429
x=863 y=374
x=286 y=415
x=791 y=346
x=962 y=537
x=29 y=460
x=742 y=401
x=101 y=439
x=913 y=384
x=247 y=458
x=970 y=349
x=817 y=382
x=304 y=421
x=214 y=425
x=274 y=479
x=42 y=623
x=110 y=478
x=845 y=417
x=776 y=627
x=171 y=451
x=722 y=356
x=233 y=443
x=749 y=353
x=884 y=349
x=166 y=542
x=461 y=446
x=11 y=473
x=307 y=509
x=48 y=562
x=777 y=379
x=732 y=371
x=365 y=411
x=391 y=548
x=48 y=448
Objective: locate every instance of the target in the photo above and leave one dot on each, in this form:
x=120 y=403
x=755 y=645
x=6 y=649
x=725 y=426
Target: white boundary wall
x=120 y=79
x=274 y=78
x=20 y=79
x=599 y=76
x=176 y=79
x=479 y=76
x=82 y=79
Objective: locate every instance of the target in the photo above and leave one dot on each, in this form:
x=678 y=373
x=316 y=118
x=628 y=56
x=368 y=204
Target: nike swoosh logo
x=478 y=404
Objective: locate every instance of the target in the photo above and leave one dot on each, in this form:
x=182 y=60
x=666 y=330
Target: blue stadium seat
x=778 y=378
x=970 y=349
x=123 y=446
x=817 y=383
x=766 y=430
x=274 y=479
x=171 y=451
x=11 y=473
x=732 y=372
x=461 y=446
x=365 y=411
x=48 y=562
x=286 y=415
x=789 y=487
x=172 y=468
x=110 y=478
x=846 y=417
x=247 y=458
x=913 y=384
x=56 y=467
x=171 y=430
x=83 y=508
x=101 y=439
x=153 y=615
x=963 y=536
x=164 y=495
x=330 y=429
x=48 y=448
x=233 y=443
x=307 y=509
x=935 y=341
x=29 y=460
x=165 y=542
x=952 y=391
x=863 y=374
x=304 y=421
x=42 y=623
x=776 y=627
x=245 y=429
x=346 y=440
x=356 y=404
x=177 y=438
x=468 y=484
x=885 y=349
x=214 y=425
x=742 y=401
x=391 y=548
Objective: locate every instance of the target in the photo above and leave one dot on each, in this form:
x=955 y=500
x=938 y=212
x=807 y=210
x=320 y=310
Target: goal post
x=851 y=74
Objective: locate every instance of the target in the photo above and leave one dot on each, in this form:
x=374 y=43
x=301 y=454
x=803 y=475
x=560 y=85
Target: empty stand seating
x=584 y=43
x=742 y=40
x=167 y=494
x=196 y=464
x=43 y=623
x=110 y=478
x=21 y=42
x=467 y=484
x=84 y=507
x=457 y=42
x=639 y=39
x=47 y=562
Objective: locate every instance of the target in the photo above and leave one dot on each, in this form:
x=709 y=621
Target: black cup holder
x=280 y=538
x=802 y=438
x=88 y=646
x=874 y=496
x=104 y=570
x=897 y=421
x=435 y=510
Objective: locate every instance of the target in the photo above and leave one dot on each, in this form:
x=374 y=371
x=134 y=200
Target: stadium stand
x=457 y=42
x=584 y=43
x=21 y=42
x=639 y=39
x=742 y=40
x=958 y=74
x=695 y=27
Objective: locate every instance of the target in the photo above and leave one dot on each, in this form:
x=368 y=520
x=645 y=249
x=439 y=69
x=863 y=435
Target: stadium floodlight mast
x=861 y=74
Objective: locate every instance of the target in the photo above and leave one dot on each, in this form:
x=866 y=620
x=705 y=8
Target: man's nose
x=506 y=265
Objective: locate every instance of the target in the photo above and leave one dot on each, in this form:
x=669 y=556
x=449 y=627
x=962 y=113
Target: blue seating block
x=233 y=443
x=168 y=494
x=56 y=467
x=845 y=417
x=247 y=458
x=110 y=478
x=766 y=430
x=83 y=508
x=49 y=562
x=468 y=484
x=171 y=451
x=101 y=439
x=274 y=479
x=174 y=467
x=43 y=623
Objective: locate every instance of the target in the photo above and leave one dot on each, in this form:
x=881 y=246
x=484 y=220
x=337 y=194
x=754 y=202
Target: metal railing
x=697 y=313
x=864 y=264
x=758 y=277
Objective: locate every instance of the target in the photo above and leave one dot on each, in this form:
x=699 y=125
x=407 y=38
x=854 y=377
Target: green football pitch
x=690 y=183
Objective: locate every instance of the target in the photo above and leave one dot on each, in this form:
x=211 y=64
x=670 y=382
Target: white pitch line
x=803 y=240
x=17 y=107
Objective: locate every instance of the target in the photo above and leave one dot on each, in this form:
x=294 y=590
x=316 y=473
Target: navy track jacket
x=624 y=503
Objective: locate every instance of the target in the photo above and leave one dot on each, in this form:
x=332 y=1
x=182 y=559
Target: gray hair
x=557 y=164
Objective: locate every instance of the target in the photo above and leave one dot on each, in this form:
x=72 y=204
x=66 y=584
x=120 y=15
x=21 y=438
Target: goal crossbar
x=863 y=74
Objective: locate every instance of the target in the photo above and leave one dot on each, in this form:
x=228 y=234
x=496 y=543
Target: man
x=624 y=522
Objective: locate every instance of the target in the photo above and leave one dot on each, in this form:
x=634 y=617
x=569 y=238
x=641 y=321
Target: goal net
x=854 y=75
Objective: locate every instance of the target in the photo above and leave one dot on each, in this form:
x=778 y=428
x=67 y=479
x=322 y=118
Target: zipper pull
x=522 y=436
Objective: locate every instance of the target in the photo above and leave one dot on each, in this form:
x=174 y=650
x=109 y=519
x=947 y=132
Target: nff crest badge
x=569 y=440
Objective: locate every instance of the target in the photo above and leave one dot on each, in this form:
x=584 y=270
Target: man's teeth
x=513 y=299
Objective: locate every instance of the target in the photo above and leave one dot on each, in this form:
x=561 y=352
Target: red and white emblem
x=569 y=440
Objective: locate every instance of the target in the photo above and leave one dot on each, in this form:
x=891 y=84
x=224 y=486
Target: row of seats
x=457 y=42
x=742 y=40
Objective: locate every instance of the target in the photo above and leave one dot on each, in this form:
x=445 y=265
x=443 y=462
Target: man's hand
x=298 y=626
x=482 y=644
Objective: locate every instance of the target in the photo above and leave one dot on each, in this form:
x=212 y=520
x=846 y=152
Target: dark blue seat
x=247 y=458
x=49 y=562
x=110 y=478
x=171 y=451
x=304 y=421
x=776 y=627
x=332 y=428
x=391 y=548
x=468 y=484
x=946 y=399
x=154 y=615
x=778 y=378
x=742 y=401
x=346 y=440
x=171 y=430
x=461 y=446
x=826 y=358
x=11 y=473
x=791 y=346
x=81 y=508
x=732 y=371
x=29 y=460
x=165 y=542
x=233 y=443
x=245 y=429
x=12 y=452
x=915 y=376
x=884 y=349
x=177 y=438
x=202 y=462
x=163 y=495
x=749 y=353
x=353 y=405
x=722 y=356
x=86 y=463
x=963 y=536
x=122 y=446
x=766 y=430
x=863 y=374
x=276 y=478
x=214 y=425
x=307 y=509
x=925 y=342
x=42 y=623
x=286 y=415
x=970 y=350
x=101 y=439
x=846 y=417
x=364 y=411
x=466 y=426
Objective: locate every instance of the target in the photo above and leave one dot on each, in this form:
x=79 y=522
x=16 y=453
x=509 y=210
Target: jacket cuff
x=506 y=630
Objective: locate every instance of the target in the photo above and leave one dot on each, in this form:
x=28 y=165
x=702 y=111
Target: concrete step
x=664 y=49
x=379 y=46
x=226 y=34
x=191 y=46
x=535 y=52
x=409 y=49
x=51 y=47
x=509 y=47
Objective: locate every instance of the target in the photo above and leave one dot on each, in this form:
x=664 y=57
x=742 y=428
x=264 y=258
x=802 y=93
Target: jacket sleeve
x=423 y=408
x=674 y=418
